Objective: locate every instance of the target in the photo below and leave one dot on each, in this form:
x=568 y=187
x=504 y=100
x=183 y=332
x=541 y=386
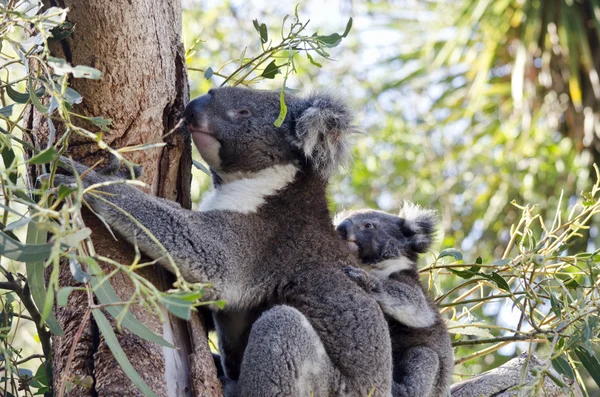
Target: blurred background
x=469 y=107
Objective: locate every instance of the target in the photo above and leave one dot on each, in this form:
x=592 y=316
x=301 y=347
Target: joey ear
x=420 y=224
x=321 y=133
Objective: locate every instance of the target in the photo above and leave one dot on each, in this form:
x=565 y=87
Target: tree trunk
x=137 y=46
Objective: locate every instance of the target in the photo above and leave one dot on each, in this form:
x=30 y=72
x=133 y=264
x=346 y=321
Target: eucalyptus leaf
x=453 y=252
x=176 y=306
x=590 y=363
x=62 y=296
x=77 y=271
x=73 y=239
x=270 y=71
x=35 y=278
x=201 y=167
x=6 y=111
x=282 y=110
x=19 y=252
x=107 y=296
x=111 y=340
x=44 y=157
x=15 y=95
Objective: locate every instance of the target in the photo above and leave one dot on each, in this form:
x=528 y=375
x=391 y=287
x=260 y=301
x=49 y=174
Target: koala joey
x=388 y=247
x=263 y=240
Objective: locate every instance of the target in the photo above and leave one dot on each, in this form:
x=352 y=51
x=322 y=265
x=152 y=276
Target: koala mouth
x=352 y=247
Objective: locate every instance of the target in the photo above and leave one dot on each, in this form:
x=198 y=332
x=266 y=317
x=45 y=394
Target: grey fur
x=421 y=348
x=279 y=262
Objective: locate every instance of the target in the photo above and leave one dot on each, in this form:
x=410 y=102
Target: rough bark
x=137 y=46
x=503 y=381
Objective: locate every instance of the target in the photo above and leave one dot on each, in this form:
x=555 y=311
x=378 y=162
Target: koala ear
x=420 y=224
x=321 y=133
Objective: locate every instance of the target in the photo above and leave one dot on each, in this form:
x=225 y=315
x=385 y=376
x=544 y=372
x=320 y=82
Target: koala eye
x=369 y=225
x=244 y=112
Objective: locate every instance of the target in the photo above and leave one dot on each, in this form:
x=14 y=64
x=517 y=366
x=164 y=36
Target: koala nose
x=194 y=109
x=345 y=230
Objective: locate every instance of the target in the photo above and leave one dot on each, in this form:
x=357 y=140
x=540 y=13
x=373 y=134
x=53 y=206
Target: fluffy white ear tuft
x=321 y=133
x=422 y=222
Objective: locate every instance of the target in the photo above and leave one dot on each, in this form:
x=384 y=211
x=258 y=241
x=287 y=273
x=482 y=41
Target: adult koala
x=264 y=240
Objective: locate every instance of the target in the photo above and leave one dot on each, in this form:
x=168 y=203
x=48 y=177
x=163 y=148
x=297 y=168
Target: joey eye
x=369 y=225
x=244 y=113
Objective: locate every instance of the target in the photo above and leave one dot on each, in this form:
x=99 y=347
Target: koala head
x=233 y=129
x=376 y=236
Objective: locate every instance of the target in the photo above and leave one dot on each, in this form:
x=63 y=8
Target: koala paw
x=362 y=278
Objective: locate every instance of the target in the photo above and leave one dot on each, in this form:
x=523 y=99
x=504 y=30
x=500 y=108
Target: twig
x=510 y=338
x=24 y=360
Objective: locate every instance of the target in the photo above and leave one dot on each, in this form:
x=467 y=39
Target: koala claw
x=362 y=278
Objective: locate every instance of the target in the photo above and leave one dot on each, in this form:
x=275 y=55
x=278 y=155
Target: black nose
x=195 y=107
x=344 y=229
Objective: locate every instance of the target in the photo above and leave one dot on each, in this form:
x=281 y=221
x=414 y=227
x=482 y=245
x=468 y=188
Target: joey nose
x=345 y=230
x=193 y=111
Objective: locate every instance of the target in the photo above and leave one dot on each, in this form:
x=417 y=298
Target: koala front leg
x=405 y=303
x=161 y=228
x=420 y=366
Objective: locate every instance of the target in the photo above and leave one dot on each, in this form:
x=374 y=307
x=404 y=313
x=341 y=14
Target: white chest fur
x=384 y=268
x=247 y=194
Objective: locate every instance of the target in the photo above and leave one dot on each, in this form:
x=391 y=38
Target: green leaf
x=111 y=340
x=498 y=280
x=466 y=274
x=264 y=34
x=201 y=167
x=453 y=252
x=62 y=67
x=208 y=73
x=555 y=304
x=348 y=27
x=106 y=295
x=16 y=96
x=72 y=96
x=72 y=239
x=256 y=25
x=41 y=376
x=176 y=306
x=332 y=40
x=100 y=122
x=282 y=111
x=590 y=363
x=6 y=111
x=19 y=252
x=62 y=297
x=40 y=107
x=310 y=58
x=35 y=278
x=17 y=224
x=64 y=191
x=270 y=71
x=44 y=157
x=77 y=271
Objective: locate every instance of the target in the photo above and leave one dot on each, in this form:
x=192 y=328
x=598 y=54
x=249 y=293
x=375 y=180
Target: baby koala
x=388 y=247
